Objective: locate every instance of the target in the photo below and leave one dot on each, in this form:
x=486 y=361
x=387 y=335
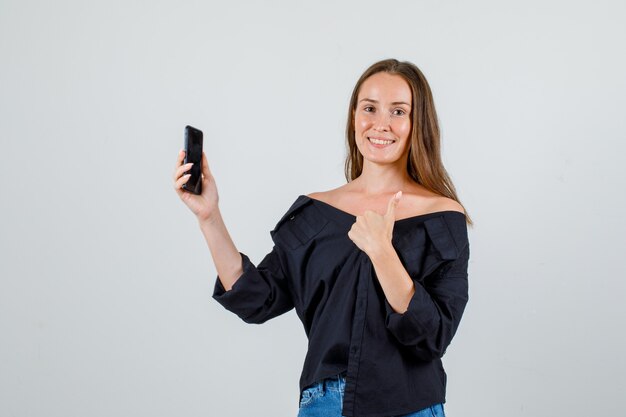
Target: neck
x=381 y=179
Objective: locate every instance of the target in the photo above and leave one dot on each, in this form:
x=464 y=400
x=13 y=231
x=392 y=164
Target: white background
x=106 y=280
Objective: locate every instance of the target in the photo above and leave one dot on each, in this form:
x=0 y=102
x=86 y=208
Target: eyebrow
x=376 y=101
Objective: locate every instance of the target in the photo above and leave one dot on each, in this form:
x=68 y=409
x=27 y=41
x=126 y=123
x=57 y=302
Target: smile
x=379 y=143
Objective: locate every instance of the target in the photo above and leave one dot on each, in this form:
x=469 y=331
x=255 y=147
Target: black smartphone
x=193 y=153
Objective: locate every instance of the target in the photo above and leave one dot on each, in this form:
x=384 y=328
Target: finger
x=181 y=170
x=391 y=206
x=180 y=158
x=182 y=180
x=206 y=171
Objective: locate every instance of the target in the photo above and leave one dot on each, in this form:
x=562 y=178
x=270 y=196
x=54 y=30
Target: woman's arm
x=394 y=279
x=255 y=293
x=206 y=209
x=226 y=257
x=434 y=310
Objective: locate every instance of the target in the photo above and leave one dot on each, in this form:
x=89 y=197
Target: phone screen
x=193 y=153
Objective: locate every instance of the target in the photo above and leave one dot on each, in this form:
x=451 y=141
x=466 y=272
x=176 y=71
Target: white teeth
x=380 y=142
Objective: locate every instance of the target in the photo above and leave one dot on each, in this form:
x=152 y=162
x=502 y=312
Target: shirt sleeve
x=260 y=293
x=435 y=310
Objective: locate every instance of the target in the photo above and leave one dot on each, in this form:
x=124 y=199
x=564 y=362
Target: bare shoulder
x=316 y=194
x=319 y=195
x=330 y=196
x=444 y=204
x=340 y=199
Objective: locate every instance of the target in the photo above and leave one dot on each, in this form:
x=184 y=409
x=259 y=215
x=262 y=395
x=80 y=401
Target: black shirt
x=392 y=361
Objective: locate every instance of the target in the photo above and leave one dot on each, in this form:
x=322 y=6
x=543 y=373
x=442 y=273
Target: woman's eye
x=401 y=112
x=367 y=108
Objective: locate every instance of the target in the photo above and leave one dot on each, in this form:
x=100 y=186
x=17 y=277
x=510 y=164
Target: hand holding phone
x=193 y=153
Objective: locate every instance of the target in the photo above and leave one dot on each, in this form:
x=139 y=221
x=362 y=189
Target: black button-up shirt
x=392 y=361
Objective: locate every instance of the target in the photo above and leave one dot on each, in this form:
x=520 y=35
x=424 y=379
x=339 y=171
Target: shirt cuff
x=235 y=298
x=406 y=327
x=260 y=293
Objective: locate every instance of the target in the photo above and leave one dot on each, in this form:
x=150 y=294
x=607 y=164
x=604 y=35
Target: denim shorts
x=325 y=399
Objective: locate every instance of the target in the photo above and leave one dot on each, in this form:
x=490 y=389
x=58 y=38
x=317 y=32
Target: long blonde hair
x=424 y=163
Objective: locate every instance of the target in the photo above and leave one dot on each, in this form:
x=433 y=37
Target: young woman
x=376 y=269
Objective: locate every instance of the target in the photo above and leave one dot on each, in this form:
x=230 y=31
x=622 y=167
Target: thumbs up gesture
x=372 y=232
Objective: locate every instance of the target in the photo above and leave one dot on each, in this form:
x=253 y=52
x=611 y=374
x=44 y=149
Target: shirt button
x=292 y=216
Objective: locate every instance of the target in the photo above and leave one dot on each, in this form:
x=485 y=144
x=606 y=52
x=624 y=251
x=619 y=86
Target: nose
x=382 y=122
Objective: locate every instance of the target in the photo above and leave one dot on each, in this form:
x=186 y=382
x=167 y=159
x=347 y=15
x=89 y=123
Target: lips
x=386 y=141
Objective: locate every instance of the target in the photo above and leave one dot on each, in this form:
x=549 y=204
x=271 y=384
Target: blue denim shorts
x=325 y=399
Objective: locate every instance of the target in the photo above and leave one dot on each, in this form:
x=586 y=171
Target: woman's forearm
x=394 y=279
x=226 y=256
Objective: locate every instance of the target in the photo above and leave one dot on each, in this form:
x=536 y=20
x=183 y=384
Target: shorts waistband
x=332 y=383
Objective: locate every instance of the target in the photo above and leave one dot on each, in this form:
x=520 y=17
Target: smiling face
x=382 y=118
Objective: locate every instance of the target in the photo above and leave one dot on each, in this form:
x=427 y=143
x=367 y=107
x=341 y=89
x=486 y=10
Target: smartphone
x=193 y=153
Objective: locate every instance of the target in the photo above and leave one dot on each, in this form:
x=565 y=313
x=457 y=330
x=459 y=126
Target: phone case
x=193 y=153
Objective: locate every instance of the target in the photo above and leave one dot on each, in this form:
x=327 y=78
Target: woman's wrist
x=382 y=253
x=211 y=220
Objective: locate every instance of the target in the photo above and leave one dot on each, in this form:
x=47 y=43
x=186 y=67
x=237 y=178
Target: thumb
x=391 y=207
x=205 y=167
